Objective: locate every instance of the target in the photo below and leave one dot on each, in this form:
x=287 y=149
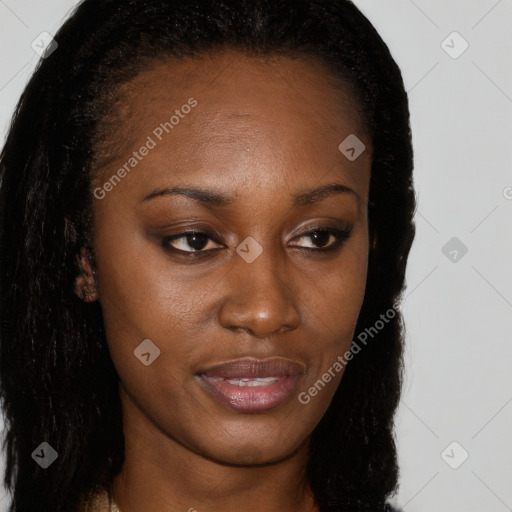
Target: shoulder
x=335 y=506
x=95 y=502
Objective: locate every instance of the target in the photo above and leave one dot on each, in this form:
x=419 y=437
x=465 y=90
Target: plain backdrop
x=454 y=422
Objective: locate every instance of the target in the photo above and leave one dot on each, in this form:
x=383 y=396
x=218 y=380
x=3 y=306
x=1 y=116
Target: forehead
x=289 y=113
x=234 y=73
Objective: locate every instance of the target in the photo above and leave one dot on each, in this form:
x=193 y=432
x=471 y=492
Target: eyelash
x=341 y=235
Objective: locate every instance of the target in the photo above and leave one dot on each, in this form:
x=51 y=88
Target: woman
x=206 y=213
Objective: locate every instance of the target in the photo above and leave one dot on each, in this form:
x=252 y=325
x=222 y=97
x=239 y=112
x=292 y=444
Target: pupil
x=321 y=238
x=197 y=240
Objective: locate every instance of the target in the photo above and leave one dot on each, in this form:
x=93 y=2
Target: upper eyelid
x=305 y=233
x=336 y=232
x=213 y=236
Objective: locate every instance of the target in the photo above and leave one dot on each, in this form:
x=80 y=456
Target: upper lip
x=250 y=367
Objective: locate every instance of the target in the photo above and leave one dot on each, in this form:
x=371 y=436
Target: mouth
x=252 y=385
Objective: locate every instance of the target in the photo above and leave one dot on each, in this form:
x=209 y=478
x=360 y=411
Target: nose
x=259 y=298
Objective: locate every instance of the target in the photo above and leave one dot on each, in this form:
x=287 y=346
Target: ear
x=86 y=287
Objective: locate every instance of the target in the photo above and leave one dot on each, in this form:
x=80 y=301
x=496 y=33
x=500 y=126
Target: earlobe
x=85 y=284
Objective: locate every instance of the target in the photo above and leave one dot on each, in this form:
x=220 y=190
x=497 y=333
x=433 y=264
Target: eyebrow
x=218 y=199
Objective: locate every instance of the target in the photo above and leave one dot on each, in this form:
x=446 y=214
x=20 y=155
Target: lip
x=259 y=384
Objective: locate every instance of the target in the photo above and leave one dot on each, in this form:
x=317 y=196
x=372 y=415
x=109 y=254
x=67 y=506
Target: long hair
x=57 y=381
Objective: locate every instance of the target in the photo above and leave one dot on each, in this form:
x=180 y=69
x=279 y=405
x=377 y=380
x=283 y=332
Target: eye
x=196 y=240
x=196 y=243
x=325 y=239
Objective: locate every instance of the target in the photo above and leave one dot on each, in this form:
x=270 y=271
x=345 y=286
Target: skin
x=262 y=131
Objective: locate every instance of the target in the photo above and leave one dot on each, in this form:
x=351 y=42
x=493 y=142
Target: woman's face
x=256 y=137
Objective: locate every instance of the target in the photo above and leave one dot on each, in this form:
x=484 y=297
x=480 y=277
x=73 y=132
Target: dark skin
x=263 y=130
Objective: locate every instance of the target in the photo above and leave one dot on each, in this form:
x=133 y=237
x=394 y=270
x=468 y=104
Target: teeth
x=257 y=381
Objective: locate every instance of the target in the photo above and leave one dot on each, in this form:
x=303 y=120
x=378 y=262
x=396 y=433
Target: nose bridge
x=259 y=299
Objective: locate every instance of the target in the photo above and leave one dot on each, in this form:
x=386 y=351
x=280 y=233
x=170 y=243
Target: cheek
x=336 y=295
x=348 y=291
x=142 y=297
x=334 y=302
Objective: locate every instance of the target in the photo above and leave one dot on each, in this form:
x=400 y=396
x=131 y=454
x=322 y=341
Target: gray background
x=457 y=306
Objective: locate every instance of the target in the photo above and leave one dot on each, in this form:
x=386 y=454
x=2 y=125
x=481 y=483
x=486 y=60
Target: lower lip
x=254 y=398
